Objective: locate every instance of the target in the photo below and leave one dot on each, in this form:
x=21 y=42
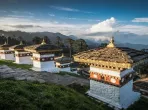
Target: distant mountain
x=134 y=46
x=28 y=36
x=120 y=36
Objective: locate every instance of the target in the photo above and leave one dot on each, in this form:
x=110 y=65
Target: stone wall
x=104 y=90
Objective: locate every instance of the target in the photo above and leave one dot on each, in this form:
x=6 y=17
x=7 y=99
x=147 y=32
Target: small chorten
x=62 y=55
x=111 y=44
x=5 y=53
x=5 y=43
x=43 y=56
x=21 y=42
x=43 y=42
x=63 y=63
x=21 y=56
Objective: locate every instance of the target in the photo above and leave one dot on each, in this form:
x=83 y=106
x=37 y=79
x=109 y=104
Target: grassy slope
x=142 y=104
x=11 y=64
x=23 y=95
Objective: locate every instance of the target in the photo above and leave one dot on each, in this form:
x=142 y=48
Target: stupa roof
x=63 y=59
x=111 y=54
x=5 y=46
x=43 y=47
x=19 y=47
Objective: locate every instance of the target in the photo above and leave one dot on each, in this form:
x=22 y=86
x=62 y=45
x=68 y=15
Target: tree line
x=72 y=46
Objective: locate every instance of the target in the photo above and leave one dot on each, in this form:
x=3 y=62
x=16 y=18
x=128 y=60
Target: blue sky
x=83 y=18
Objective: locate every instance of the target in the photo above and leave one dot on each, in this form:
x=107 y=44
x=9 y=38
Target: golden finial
x=111 y=44
x=5 y=43
x=21 y=42
x=43 y=42
x=62 y=54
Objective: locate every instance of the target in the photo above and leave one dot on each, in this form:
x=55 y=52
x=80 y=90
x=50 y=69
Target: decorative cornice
x=104 y=64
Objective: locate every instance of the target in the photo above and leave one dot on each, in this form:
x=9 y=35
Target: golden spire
x=5 y=43
x=62 y=55
x=43 y=42
x=111 y=44
x=21 y=42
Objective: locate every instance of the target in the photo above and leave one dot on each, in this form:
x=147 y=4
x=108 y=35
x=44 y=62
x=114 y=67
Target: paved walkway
x=20 y=74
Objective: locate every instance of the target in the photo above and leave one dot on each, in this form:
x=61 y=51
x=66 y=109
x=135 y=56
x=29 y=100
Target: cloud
x=20 y=16
x=90 y=20
x=23 y=26
x=29 y=13
x=69 y=9
x=3 y=11
x=104 y=26
x=111 y=27
x=136 y=29
x=38 y=25
x=65 y=8
x=140 y=20
x=22 y=12
x=52 y=15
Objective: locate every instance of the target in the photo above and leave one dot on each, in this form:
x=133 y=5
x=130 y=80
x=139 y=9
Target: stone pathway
x=20 y=74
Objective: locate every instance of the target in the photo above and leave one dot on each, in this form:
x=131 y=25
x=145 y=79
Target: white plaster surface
x=23 y=60
x=48 y=66
x=127 y=95
x=119 y=97
x=7 y=56
x=64 y=69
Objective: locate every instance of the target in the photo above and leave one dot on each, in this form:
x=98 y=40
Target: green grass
x=142 y=104
x=11 y=64
x=21 y=95
x=79 y=88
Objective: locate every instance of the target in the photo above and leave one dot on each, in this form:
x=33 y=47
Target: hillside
x=92 y=43
x=28 y=36
x=22 y=95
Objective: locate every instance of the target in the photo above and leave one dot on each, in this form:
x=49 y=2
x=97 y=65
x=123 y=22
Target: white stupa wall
x=36 y=64
x=127 y=95
x=48 y=66
x=23 y=59
x=111 y=72
x=66 y=69
x=120 y=97
x=105 y=90
x=7 y=56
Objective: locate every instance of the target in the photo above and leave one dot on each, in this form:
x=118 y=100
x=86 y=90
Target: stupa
x=111 y=73
x=5 y=53
x=63 y=63
x=43 y=56
x=21 y=56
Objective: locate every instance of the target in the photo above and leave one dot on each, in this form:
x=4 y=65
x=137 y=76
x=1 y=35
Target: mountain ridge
x=28 y=36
